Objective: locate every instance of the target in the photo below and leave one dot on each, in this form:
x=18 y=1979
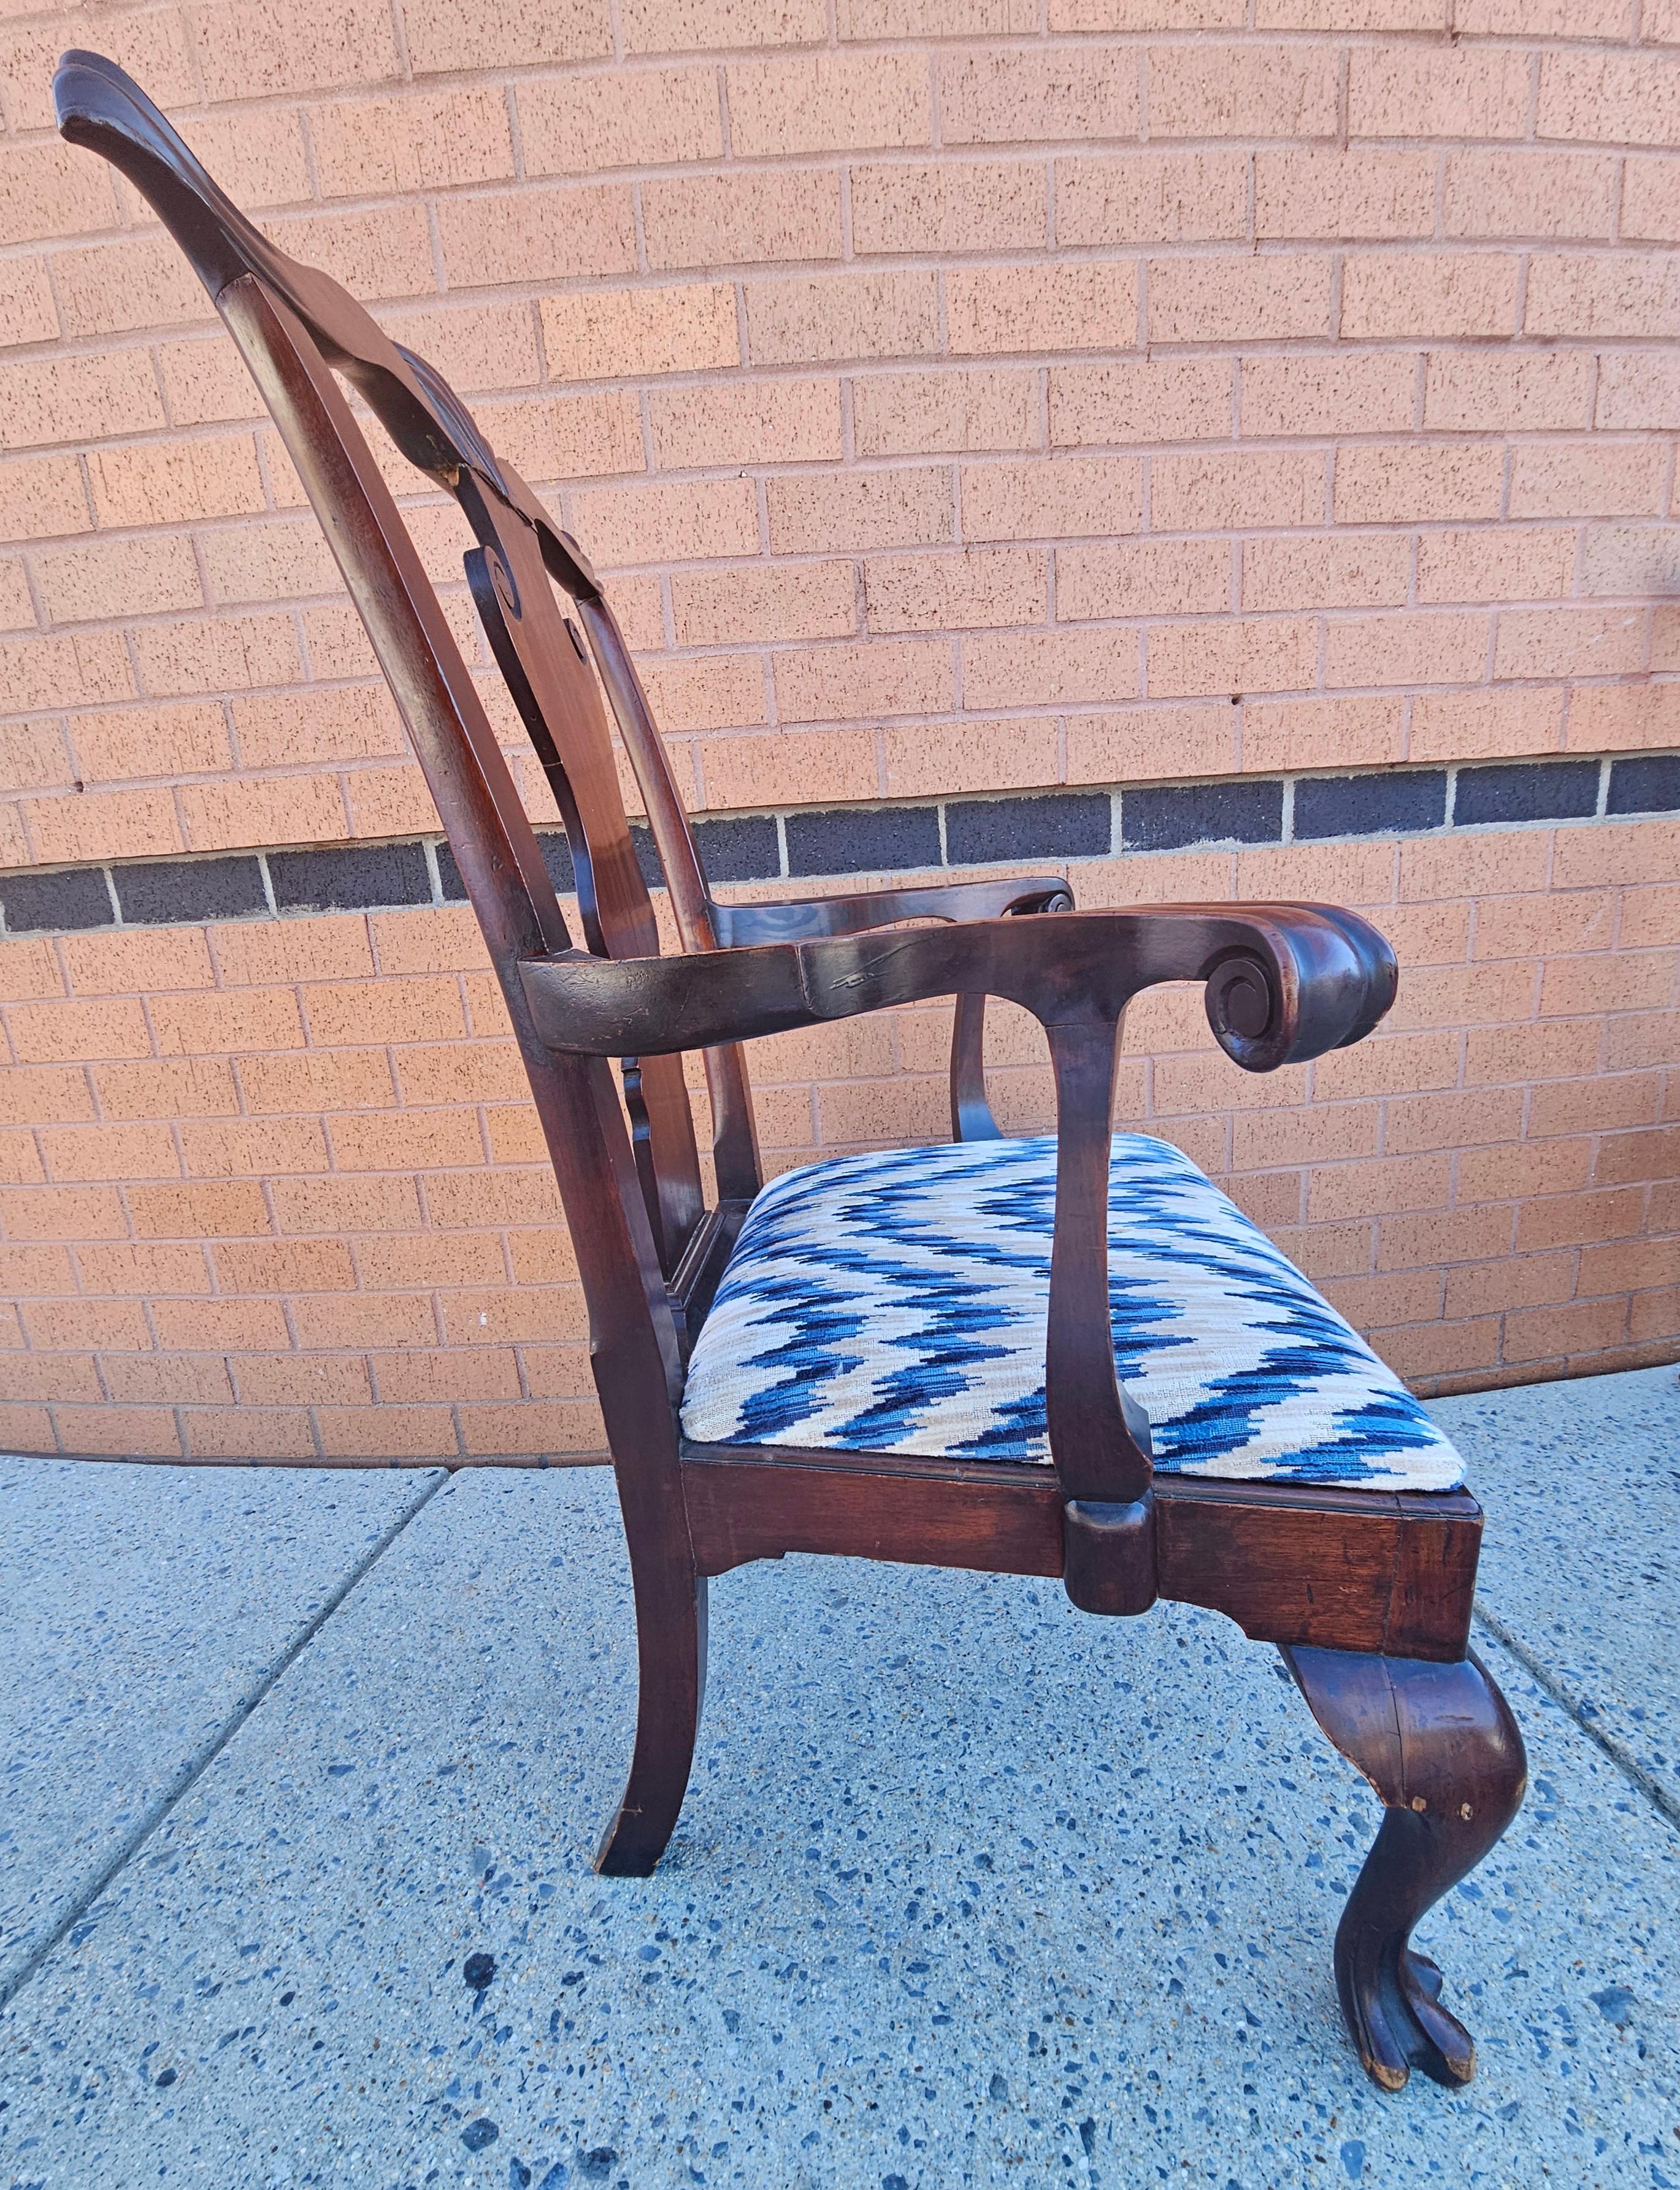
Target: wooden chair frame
x=1367 y=1594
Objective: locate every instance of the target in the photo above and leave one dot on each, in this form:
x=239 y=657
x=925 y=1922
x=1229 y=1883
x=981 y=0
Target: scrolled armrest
x=1286 y=982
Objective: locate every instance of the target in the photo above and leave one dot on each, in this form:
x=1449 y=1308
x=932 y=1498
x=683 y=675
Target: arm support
x=1284 y=983
x=785 y=921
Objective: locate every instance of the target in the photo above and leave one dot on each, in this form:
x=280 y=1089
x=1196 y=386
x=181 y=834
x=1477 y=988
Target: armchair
x=1067 y=1356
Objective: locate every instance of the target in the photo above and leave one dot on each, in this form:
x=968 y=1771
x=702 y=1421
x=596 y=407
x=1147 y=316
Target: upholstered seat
x=898 y=1304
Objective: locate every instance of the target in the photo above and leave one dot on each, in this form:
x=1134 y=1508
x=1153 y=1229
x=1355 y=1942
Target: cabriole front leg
x=1439 y=1745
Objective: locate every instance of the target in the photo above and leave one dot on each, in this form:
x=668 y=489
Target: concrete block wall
x=1249 y=420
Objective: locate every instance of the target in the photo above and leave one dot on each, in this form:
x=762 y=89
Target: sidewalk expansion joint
x=1581 y=1715
x=13 y=1980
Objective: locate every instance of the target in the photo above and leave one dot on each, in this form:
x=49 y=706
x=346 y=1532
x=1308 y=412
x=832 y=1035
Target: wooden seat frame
x=1368 y=1594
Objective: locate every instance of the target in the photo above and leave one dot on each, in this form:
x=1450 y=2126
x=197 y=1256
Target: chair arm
x=1284 y=983
x=798 y=920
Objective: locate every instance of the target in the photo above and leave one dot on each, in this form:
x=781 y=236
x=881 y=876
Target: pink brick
x=1397 y=482
x=75 y=670
x=1152 y=197
x=1081 y=306
x=1437 y=90
x=1499 y=563
x=741 y=218
x=1139 y=401
x=1550 y=18
x=430 y=140
x=118 y=578
x=1524 y=392
x=962 y=591
x=829 y=103
x=215 y=656
x=41 y=496
x=766 y=601
x=293 y=48
x=879 y=676
x=1610 y=98
x=1355 y=571
x=970 y=205
x=175 y=482
x=1017 y=94
x=1144 y=577
x=778 y=768
x=27 y=311
x=1311 y=193
x=1386 y=294
x=1246 y=299
x=1220 y=90
x=121 y=743
x=537 y=235
x=582 y=125
x=1147 y=14
x=79 y=399
x=746 y=422
x=1561 y=641
x=1238 y=655
x=808 y=318
x=935 y=18
x=52 y=190
x=1042 y=498
x=205 y=382
x=658 y=27
x=1623 y=559
x=250 y=811
x=1045 y=668
x=824 y=513
x=102 y=824
x=1416 y=648
x=567 y=436
x=1351 y=15
x=1296 y=734
x=1544 y=194
x=263 y=562
x=671 y=522
x=1638 y=388
x=1586 y=479
x=1625 y=292
x=935 y=414
x=1650 y=200
x=1145 y=744
x=923 y=759
x=1241 y=488
x=1621 y=716
x=1289 y=394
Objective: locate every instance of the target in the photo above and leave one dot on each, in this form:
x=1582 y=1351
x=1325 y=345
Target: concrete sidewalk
x=303 y=1773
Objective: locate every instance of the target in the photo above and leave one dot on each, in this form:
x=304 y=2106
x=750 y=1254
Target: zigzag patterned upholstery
x=898 y=1304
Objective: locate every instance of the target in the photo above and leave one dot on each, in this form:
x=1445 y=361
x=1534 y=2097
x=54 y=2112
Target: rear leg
x=671 y=1669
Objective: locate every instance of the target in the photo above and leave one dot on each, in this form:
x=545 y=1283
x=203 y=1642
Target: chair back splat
x=297 y=331
x=912 y=1356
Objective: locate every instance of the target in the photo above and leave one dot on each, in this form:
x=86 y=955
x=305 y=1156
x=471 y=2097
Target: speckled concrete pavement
x=970 y=1889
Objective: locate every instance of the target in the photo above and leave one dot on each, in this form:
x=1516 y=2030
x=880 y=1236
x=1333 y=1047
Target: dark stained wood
x=1286 y=1565
x=1439 y=1745
x=1334 y=1567
x=1370 y=1592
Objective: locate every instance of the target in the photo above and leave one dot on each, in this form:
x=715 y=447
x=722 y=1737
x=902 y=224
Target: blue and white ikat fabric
x=898 y=1304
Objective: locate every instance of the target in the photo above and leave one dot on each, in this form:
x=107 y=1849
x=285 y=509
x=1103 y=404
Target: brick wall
x=1248 y=420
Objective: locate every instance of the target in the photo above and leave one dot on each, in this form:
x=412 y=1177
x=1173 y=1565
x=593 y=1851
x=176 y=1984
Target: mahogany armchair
x=1067 y=1356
